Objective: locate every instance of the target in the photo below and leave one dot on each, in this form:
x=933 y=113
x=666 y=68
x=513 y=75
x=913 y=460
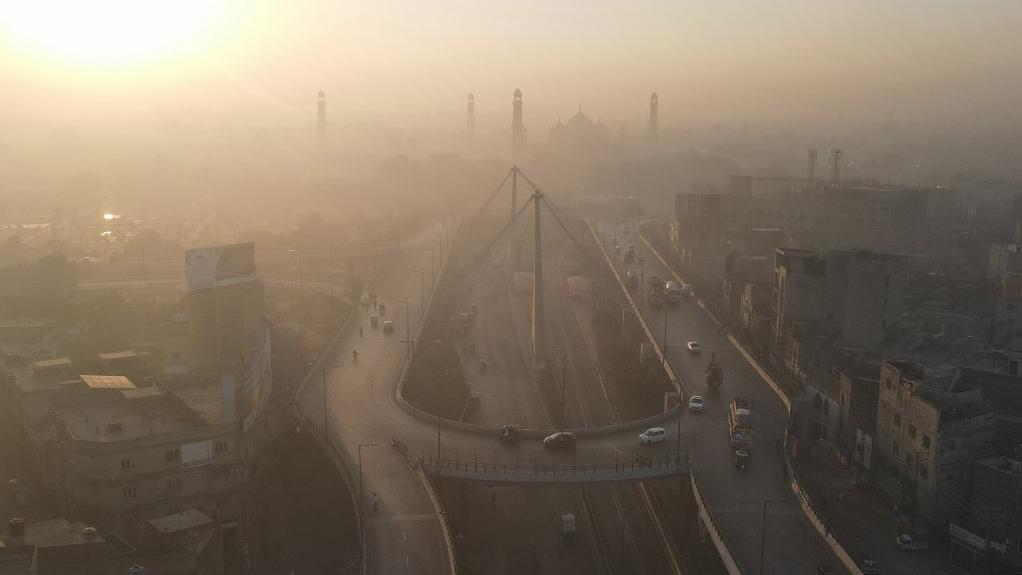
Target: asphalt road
x=736 y=498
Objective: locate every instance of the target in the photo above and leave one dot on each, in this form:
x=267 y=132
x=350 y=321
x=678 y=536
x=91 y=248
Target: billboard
x=196 y=454
x=220 y=265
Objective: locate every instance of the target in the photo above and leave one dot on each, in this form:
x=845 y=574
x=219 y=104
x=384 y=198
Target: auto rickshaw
x=741 y=459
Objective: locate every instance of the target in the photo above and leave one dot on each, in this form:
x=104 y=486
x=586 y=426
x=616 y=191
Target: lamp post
x=408 y=329
x=665 y=335
x=762 y=541
x=361 y=500
x=564 y=379
x=422 y=304
x=326 y=436
x=432 y=278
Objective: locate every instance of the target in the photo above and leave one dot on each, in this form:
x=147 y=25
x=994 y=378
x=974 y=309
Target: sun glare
x=104 y=32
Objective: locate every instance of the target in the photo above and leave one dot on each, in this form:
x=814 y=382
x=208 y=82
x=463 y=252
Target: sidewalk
x=858 y=516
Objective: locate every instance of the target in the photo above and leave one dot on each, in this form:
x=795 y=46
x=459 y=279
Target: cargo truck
x=739 y=422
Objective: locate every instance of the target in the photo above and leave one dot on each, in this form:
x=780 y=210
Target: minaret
x=654 y=120
x=517 y=129
x=470 y=115
x=321 y=120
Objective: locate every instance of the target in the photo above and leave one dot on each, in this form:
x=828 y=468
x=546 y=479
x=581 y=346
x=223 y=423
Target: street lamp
x=432 y=254
x=362 y=501
x=422 y=282
x=408 y=329
x=326 y=436
x=762 y=542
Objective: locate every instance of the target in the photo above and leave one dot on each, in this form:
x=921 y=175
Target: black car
x=560 y=439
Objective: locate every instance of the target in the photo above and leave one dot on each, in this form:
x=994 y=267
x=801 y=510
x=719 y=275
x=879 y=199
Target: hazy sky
x=730 y=61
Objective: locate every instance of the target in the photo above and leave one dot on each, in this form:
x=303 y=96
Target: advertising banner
x=220 y=265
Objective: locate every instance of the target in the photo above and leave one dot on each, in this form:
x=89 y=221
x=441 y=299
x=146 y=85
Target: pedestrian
x=360 y=330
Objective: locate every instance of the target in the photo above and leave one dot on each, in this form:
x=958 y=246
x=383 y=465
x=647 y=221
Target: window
x=220 y=447
x=131 y=522
x=897 y=420
x=926 y=441
x=172 y=455
x=127 y=464
x=894 y=447
x=129 y=493
x=911 y=431
x=174 y=485
x=923 y=472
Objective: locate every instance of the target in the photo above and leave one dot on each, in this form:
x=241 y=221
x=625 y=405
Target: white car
x=694 y=348
x=653 y=435
x=695 y=403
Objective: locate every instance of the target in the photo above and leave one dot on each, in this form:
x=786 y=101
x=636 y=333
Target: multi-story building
x=825 y=216
x=857 y=294
x=931 y=427
x=128 y=454
x=699 y=222
x=997 y=497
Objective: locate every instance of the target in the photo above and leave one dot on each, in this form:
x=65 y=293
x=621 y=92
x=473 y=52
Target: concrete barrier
x=711 y=527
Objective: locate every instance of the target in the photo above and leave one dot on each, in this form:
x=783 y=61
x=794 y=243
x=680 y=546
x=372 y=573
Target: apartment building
x=931 y=427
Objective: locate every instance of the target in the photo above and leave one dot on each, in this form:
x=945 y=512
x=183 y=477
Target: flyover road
x=363 y=406
x=736 y=499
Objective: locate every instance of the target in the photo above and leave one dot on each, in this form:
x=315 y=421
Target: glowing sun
x=104 y=32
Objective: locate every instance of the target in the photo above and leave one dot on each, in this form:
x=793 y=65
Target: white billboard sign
x=220 y=265
x=196 y=454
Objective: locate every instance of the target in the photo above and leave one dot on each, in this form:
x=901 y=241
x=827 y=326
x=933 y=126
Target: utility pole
x=408 y=329
x=564 y=379
x=421 y=299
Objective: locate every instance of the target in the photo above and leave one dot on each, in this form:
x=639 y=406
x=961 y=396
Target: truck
x=656 y=291
x=673 y=291
x=739 y=423
x=713 y=375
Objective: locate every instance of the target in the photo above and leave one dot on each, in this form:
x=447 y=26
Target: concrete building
x=857 y=294
x=931 y=427
x=128 y=454
x=997 y=497
x=697 y=229
x=902 y=220
x=858 y=398
x=184 y=543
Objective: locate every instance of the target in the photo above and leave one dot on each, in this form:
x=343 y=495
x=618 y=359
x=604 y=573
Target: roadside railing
x=555 y=472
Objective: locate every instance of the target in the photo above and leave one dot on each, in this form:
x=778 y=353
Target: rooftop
x=124 y=419
x=1003 y=464
x=188 y=519
x=115 y=355
x=107 y=382
x=205 y=401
